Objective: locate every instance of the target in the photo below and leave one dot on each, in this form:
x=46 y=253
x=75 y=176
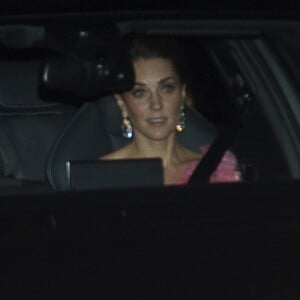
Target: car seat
x=28 y=125
x=96 y=130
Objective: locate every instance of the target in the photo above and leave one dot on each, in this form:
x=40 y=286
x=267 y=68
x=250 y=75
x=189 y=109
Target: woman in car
x=153 y=114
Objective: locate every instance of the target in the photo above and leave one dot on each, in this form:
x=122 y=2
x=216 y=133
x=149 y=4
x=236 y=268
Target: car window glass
x=256 y=146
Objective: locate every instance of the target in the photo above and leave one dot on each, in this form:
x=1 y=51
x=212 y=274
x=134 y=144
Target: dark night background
x=265 y=7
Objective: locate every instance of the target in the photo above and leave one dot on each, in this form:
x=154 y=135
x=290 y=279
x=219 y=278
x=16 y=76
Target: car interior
x=29 y=126
x=51 y=115
x=58 y=76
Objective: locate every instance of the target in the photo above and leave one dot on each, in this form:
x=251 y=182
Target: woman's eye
x=169 y=88
x=138 y=93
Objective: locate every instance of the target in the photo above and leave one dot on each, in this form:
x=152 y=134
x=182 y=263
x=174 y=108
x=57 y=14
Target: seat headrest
x=110 y=114
x=19 y=85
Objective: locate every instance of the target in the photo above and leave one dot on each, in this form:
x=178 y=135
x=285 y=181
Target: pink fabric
x=227 y=170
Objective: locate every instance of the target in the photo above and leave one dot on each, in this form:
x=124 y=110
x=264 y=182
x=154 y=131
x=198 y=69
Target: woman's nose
x=156 y=101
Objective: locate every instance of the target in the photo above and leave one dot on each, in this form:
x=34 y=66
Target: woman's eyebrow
x=168 y=78
x=160 y=81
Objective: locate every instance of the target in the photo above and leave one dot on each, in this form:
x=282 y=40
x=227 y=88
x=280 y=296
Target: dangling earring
x=126 y=126
x=181 y=122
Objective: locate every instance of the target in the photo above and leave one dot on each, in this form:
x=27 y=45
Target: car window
x=224 y=84
x=61 y=77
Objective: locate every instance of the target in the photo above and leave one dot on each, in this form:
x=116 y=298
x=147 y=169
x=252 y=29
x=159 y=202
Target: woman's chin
x=159 y=135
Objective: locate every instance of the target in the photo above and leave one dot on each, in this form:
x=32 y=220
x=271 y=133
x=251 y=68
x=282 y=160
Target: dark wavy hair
x=153 y=46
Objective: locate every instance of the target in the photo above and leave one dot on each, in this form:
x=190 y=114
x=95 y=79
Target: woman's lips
x=157 y=121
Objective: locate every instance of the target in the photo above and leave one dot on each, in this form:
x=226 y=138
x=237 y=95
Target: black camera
x=86 y=66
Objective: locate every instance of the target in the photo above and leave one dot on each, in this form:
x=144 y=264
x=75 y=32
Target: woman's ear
x=183 y=92
x=120 y=102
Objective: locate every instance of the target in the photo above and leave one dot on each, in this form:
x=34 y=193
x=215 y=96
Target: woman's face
x=154 y=103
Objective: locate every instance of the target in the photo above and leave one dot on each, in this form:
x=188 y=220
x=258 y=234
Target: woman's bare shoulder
x=108 y=156
x=118 y=154
x=192 y=155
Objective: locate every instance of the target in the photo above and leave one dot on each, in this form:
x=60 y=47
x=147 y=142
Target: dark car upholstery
x=28 y=125
x=96 y=130
x=38 y=137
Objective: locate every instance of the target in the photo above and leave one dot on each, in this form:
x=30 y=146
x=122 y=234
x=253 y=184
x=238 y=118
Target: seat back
x=28 y=125
x=95 y=130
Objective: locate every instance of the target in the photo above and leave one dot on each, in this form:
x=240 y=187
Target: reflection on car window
x=190 y=94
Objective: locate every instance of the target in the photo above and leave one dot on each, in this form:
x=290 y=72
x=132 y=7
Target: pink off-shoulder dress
x=227 y=170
